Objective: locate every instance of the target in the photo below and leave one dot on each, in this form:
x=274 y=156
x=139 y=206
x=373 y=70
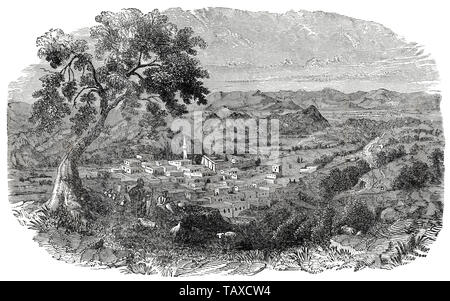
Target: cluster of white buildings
x=215 y=183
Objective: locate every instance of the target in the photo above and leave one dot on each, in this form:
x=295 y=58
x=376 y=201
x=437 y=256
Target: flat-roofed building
x=230 y=209
x=132 y=169
x=179 y=180
x=271 y=178
x=250 y=194
x=153 y=169
x=132 y=162
x=174 y=173
x=169 y=168
x=144 y=157
x=161 y=162
x=213 y=163
x=179 y=163
x=277 y=169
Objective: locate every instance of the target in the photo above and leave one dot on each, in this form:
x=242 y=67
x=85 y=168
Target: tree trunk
x=68 y=188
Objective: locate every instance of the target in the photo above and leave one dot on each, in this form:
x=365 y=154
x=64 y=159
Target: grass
x=408 y=251
x=247 y=256
x=39 y=220
x=301 y=256
x=338 y=254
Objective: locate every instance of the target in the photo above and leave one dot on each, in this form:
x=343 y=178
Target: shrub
x=301 y=256
x=414 y=149
x=274 y=218
x=358 y=216
x=304 y=231
x=284 y=235
x=383 y=158
x=412 y=177
x=322 y=231
x=437 y=165
x=253 y=236
x=341 y=180
x=324 y=160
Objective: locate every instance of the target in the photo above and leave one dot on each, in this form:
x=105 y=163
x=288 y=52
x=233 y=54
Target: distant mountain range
x=298 y=112
x=263 y=103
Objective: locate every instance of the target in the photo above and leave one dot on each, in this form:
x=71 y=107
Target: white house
x=277 y=168
x=132 y=162
x=271 y=178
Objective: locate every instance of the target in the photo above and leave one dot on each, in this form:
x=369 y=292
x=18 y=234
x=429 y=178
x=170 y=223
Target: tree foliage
x=358 y=216
x=437 y=165
x=412 y=177
x=340 y=180
x=137 y=58
x=383 y=157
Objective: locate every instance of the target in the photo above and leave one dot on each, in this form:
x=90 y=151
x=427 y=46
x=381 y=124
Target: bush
x=412 y=177
x=322 y=231
x=341 y=180
x=358 y=216
x=284 y=235
x=45 y=182
x=253 y=236
x=324 y=160
x=437 y=166
x=274 y=218
x=300 y=229
x=383 y=158
x=414 y=149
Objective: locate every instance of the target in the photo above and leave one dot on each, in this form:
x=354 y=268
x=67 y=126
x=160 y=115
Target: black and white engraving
x=220 y=141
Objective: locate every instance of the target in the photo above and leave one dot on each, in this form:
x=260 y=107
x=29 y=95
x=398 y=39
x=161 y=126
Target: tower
x=184 y=148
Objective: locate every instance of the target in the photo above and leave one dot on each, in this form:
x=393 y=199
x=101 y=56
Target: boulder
x=106 y=255
x=88 y=255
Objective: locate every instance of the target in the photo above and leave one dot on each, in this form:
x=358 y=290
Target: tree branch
x=94 y=75
x=68 y=68
x=116 y=102
x=138 y=75
x=63 y=70
x=81 y=91
x=140 y=66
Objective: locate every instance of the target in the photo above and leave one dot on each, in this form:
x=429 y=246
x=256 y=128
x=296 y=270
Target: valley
x=325 y=140
x=227 y=142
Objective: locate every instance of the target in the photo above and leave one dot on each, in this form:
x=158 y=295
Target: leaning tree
x=136 y=58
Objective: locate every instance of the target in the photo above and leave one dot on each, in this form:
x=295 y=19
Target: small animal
x=175 y=229
x=169 y=207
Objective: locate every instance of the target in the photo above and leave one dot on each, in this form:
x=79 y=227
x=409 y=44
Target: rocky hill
x=301 y=122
